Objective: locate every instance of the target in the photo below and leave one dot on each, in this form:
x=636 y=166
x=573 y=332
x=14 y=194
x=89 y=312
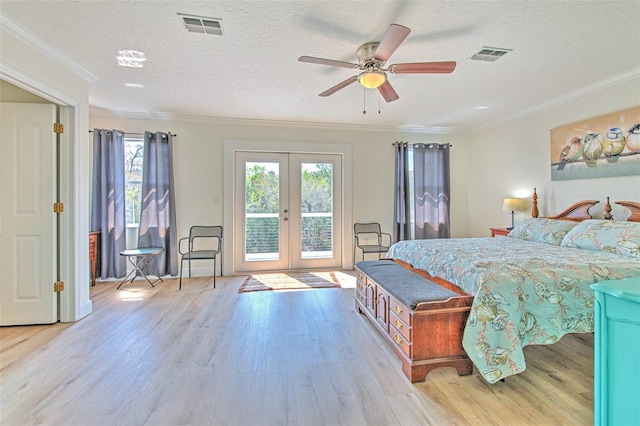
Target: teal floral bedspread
x=525 y=292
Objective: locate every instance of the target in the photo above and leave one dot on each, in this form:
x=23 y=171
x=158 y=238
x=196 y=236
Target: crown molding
x=50 y=52
x=268 y=123
x=584 y=91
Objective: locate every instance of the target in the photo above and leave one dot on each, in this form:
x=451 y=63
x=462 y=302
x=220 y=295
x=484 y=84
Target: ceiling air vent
x=490 y=54
x=201 y=24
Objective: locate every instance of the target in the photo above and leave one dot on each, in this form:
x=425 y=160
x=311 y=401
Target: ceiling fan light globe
x=372 y=80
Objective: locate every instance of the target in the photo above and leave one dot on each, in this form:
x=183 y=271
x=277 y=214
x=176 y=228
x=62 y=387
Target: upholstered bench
x=422 y=320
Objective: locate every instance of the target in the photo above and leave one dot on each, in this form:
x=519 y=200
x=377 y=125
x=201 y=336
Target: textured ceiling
x=560 y=48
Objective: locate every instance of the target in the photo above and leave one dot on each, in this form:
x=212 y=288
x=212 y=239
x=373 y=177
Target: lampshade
x=513 y=205
x=372 y=80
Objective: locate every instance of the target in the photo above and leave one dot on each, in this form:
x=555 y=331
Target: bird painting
x=613 y=144
x=633 y=138
x=604 y=146
x=571 y=152
x=592 y=149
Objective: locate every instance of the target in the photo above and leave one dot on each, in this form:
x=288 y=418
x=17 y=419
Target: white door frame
x=75 y=302
x=229 y=219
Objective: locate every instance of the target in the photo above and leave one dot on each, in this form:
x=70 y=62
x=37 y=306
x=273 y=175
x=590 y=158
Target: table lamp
x=513 y=205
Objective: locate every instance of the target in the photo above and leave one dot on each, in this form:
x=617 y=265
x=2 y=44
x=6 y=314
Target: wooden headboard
x=634 y=207
x=576 y=212
x=580 y=211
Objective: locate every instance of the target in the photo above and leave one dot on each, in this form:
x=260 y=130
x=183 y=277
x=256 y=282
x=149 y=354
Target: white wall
x=514 y=156
x=198 y=162
x=32 y=69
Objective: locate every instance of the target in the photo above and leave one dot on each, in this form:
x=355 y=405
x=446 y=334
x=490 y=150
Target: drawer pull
x=398 y=309
x=398 y=325
x=398 y=339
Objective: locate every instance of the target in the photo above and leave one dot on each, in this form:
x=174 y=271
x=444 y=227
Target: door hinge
x=58 y=128
x=58 y=207
x=58 y=286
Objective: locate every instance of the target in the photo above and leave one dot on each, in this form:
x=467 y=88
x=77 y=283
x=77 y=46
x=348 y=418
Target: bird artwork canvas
x=603 y=146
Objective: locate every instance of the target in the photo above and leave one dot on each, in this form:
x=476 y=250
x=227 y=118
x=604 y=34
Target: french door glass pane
x=262 y=207
x=317 y=210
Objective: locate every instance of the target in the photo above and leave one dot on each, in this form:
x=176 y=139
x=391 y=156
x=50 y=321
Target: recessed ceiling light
x=135 y=85
x=482 y=107
x=130 y=58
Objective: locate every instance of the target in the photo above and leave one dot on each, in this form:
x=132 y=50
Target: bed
x=531 y=287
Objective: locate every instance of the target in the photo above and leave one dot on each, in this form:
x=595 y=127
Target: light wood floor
x=207 y=356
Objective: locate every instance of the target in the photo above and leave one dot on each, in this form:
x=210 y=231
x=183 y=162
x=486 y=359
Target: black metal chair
x=203 y=243
x=368 y=237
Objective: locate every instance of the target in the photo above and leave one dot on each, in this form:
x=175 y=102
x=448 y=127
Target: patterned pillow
x=606 y=235
x=541 y=230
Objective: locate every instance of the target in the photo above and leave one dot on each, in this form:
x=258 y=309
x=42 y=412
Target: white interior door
x=27 y=221
x=289 y=210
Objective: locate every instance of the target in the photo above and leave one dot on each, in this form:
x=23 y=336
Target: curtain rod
x=137 y=133
x=424 y=143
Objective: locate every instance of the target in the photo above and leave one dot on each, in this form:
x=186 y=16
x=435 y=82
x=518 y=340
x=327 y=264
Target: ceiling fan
x=371 y=61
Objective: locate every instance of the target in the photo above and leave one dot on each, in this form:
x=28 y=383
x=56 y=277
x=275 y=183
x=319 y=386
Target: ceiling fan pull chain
x=364 y=100
x=378 y=104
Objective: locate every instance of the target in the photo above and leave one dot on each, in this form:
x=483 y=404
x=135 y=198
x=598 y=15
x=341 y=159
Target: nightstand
x=499 y=231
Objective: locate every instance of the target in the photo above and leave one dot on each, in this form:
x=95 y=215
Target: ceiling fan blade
x=339 y=86
x=424 y=68
x=331 y=62
x=394 y=36
x=387 y=92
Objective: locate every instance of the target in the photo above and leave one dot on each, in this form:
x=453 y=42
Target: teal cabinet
x=617 y=352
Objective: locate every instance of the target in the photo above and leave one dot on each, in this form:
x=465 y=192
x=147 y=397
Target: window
x=133 y=155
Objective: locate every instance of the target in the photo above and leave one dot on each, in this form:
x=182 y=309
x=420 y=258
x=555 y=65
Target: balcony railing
x=262 y=235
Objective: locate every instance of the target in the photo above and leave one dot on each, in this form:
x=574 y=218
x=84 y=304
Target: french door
x=289 y=210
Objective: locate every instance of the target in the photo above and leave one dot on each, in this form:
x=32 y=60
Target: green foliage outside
x=316 y=188
x=261 y=190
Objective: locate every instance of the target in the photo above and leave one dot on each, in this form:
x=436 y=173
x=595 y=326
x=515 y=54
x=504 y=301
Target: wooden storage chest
x=422 y=320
